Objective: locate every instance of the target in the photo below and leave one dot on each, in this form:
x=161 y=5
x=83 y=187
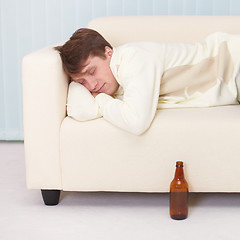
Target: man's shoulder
x=128 y=47
x=139 y=45
x=151 y=48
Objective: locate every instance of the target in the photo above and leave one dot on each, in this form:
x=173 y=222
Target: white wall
x=27 y=25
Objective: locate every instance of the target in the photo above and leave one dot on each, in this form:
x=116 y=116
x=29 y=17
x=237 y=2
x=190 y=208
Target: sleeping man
x=130 y=82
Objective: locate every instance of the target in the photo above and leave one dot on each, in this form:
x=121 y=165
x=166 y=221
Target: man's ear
x=108 y=51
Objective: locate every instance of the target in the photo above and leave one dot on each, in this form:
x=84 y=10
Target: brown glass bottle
x=179 y=194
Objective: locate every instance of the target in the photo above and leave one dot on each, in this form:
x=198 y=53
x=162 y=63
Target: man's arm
x=141 y=90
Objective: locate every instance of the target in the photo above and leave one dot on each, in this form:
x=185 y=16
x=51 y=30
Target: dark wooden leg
x=50 y=197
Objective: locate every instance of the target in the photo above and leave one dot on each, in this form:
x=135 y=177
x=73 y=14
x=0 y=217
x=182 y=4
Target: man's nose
x=92 y=84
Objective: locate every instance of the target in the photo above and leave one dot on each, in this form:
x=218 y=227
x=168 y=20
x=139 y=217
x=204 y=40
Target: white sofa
x=64 y=154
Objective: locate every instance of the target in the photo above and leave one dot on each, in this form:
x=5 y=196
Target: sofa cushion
x=97 y=156
x=81 y=105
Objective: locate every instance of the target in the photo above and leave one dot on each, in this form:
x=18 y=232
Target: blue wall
x=27 y=25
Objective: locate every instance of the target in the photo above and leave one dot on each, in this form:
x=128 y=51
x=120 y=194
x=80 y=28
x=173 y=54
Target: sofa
x=63 y=154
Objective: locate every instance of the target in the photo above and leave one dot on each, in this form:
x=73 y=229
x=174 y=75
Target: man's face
x=97 y=76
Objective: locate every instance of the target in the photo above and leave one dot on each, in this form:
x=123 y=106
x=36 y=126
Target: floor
x=95 y=216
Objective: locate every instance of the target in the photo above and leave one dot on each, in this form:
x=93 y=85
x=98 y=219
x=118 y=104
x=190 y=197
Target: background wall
x=27 y=25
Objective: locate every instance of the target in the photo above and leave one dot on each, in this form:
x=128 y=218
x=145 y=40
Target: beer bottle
x=179 y=194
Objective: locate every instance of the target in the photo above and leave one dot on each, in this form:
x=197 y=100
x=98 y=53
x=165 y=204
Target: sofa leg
x=50 y=197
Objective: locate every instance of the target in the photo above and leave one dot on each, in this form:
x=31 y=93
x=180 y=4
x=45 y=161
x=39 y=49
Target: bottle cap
x=179 y=164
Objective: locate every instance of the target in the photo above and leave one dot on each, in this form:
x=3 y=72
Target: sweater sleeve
x=140 y=74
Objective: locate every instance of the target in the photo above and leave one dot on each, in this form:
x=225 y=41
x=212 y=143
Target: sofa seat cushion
x=97 y=156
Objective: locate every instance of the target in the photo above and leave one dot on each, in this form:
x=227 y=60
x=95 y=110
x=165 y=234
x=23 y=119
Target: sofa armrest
x=45 y=88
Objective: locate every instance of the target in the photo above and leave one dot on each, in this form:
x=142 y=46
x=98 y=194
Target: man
x=148 y=75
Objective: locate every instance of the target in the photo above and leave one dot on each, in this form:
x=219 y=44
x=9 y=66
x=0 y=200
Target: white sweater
x=170 y=75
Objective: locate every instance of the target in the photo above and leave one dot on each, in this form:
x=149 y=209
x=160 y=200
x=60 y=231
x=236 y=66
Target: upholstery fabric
x=81 y=105
x=98 y=156
x=62 y=153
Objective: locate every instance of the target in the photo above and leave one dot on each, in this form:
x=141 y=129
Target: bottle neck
x=179 y=174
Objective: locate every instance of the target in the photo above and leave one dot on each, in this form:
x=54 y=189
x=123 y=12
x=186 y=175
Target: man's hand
x=94 y=94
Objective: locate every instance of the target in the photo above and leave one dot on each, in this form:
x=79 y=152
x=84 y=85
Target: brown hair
x=82 y=44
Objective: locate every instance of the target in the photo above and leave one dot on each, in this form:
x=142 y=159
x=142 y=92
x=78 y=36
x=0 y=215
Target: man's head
x=86 y=59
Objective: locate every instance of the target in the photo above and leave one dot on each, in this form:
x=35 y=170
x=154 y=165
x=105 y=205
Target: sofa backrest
x=123 y=29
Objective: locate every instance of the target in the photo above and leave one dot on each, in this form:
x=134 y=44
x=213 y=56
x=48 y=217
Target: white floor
x=95 y=216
